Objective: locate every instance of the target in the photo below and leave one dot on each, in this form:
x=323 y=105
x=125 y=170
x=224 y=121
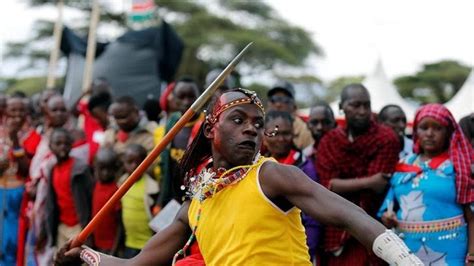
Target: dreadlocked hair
x=199 y=150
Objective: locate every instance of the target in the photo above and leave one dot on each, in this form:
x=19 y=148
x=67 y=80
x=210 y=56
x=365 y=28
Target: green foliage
x=30 y=85
x=16 y=49
x=185 y=7
x=80 y=4
x=335 y=86
x=42 y=29
x=34 y=48
x=260 y=89
x=442 y=80
x=303 y=79
x=251 y=7
x=211 y=37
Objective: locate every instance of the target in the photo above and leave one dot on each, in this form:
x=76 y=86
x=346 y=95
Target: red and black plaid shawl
x=374 y=152
x=460 y=150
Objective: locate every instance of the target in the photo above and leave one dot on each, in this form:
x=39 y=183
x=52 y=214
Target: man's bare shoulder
x=272 y=167
x=272 y=171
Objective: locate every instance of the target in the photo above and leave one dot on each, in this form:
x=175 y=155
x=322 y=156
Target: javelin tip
x=237 y=58
x=207 y=94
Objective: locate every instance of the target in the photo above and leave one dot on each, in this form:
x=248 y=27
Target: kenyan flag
x=143 y=12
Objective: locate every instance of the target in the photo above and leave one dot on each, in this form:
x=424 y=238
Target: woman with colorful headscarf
x=431 y=193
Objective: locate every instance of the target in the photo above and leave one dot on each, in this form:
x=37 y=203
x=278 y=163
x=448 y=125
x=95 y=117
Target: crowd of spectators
x=60 y=165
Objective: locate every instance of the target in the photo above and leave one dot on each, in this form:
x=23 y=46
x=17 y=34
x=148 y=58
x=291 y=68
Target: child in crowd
x=106 y=169
x=68 y=205
x=137 y=203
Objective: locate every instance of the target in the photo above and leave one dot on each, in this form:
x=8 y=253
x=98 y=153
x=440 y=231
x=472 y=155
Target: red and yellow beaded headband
x=251 y=98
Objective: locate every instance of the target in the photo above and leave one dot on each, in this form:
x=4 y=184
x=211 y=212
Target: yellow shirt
x=135 y=217
x=241 y=226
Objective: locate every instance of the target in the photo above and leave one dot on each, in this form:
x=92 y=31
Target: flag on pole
x=143 y=12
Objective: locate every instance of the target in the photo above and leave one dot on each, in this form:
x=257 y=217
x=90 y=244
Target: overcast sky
x=353 y=34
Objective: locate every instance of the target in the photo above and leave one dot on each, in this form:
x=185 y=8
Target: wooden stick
x=91 y=45
x=151 y=157
x=53 y=57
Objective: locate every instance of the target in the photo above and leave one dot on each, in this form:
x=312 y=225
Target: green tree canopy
x=334 y=88
x=436 y=82
x=28 y=85
x=212 y=36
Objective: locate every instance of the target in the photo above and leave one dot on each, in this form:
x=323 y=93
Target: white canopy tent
x=382 y=92
x=462 y=103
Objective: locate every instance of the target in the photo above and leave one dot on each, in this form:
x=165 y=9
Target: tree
x=211 y=37
x=436 y=82
x=36 y=48
x=334 y=88
x=215 y=38
x=29 y=85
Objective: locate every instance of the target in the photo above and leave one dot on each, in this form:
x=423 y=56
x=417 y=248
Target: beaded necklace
x=204 y=186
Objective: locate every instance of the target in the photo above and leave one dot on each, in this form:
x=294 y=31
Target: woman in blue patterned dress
x=431 y=192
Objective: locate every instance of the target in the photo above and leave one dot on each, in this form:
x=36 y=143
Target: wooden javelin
x=195 y=108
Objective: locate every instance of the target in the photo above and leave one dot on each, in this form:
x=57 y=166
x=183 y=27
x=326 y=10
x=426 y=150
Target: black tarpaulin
x=134 y=64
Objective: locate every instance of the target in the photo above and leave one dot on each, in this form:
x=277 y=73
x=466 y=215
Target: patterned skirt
x=440 y=242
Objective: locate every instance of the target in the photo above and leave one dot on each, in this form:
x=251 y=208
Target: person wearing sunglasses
x=282 y=98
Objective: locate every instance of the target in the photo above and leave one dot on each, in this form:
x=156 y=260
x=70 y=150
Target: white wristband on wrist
x=90 y=257
x=389 y=247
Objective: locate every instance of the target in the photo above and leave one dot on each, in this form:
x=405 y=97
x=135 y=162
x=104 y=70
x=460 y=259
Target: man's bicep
x=314 y=199
x=291 y=183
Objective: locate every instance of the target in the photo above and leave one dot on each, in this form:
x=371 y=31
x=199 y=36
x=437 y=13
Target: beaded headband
x=251 y=98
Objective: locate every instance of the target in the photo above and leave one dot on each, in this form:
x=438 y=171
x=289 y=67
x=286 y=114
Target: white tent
x=462 y=103
x=383 y=92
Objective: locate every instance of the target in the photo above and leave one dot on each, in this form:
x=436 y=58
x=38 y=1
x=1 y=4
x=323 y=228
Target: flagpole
x=53 y=57
x=91 y=46
x=151 y=157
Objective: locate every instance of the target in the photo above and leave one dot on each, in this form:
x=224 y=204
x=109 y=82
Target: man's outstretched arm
x=159 y=250
x=329 y=208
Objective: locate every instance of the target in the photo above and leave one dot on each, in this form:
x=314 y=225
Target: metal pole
x=53 y=57
x=91 y=45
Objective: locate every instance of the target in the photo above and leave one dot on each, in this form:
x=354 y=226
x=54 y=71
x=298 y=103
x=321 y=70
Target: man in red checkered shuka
x=353 y=162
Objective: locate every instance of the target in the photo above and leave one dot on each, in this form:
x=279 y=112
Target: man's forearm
x=363 y=227
x=383 y=242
